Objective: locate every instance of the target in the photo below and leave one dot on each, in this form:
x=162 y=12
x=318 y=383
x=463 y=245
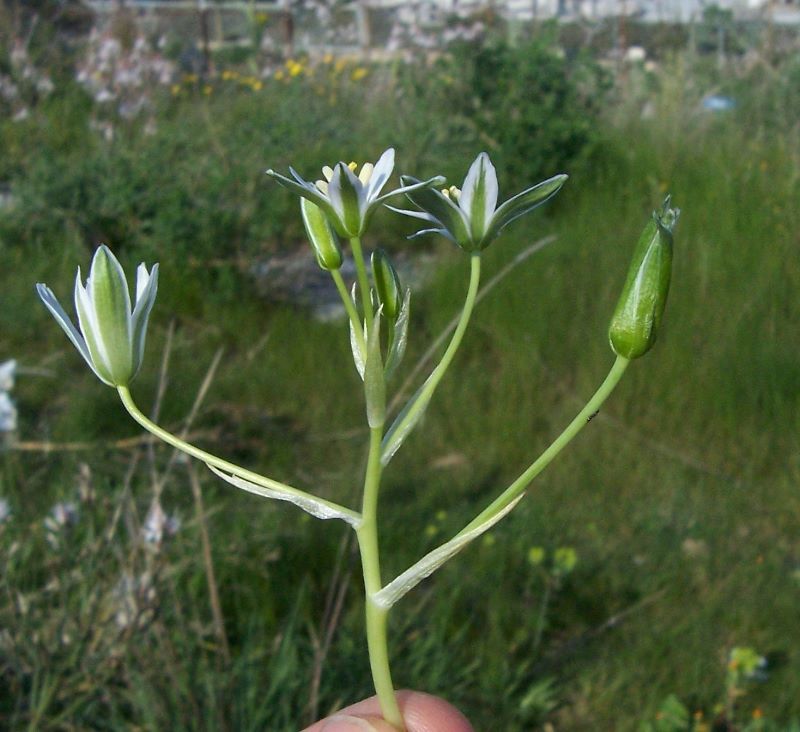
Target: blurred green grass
x=681 y=498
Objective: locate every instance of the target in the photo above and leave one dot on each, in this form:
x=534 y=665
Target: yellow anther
x=352 y=166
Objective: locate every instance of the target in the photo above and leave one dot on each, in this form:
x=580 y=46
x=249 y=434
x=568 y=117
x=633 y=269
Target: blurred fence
x=286 y=26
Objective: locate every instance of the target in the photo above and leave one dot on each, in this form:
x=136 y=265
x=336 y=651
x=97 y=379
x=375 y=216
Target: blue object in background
x=718 y=103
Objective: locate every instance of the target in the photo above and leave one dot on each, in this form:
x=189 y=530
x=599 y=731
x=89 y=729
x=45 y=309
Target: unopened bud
x=321 y=235
x=637 y=318
x=387 y=283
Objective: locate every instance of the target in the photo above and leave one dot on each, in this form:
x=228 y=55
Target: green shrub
x=535 y=109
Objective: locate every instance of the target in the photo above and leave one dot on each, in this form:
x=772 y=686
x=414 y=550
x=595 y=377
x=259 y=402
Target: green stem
x=363 y=279
x=218 y=462
x=420 y=400
x=577 y=424
x=350 y=307
x=376 y=616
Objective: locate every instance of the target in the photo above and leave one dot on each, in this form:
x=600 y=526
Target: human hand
x=422 y=713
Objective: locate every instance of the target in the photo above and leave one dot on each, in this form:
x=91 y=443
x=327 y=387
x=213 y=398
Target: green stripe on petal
x=524 y=202
x=111 y=301
x=310 y=192
x=146 y=297
x=348 y=197
x=479 y=196
x=90 y=330
x=450 y=216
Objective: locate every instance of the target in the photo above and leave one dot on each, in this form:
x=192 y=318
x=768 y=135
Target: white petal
x=139 y=319
x=52 y=304
x=142 y=278
x=380 y=174
x=88 y=323
x=365 y=173
x=481 y=181
x=424 y=215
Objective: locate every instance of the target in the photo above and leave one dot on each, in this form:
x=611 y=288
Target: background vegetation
x=612 y=598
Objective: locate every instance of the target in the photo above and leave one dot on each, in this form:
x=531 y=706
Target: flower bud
x=112 y=336
x=387 y=283
x=636 y=320
x=321 y=235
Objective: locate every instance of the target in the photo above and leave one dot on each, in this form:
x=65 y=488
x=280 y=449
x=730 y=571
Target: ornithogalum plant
x=112 y=330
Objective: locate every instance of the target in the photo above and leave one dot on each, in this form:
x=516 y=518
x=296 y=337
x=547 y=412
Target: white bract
x=470 y=216
x=349 y=200
x=111 y=336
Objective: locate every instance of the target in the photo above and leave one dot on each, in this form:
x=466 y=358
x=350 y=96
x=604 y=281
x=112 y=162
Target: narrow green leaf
x=401 y=428
x=426 y=566
x=318 y=507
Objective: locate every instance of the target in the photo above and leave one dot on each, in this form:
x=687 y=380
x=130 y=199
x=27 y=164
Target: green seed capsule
x=321 y=235
x=387 y=283
x=636 y=320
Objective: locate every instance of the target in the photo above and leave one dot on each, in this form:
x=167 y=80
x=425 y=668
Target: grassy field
x=680 y=500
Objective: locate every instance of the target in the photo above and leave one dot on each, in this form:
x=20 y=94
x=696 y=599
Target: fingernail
x=346 y=723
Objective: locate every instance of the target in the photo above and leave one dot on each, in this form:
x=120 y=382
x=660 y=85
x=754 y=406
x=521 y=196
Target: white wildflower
x=5 y=511
x=8 y=413
x=8 y=370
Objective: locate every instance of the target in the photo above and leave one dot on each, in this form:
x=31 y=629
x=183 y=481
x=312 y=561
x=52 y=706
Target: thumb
x=421 y=712
x=349 y=723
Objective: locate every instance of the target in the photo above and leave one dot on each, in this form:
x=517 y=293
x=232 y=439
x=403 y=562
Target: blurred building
x=648 y=10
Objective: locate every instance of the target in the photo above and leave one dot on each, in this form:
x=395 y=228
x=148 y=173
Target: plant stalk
x=350 y=308
x=376 y=616
x=422 y=397
x=581 y=420
x=217 y=462
x=363 y=279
